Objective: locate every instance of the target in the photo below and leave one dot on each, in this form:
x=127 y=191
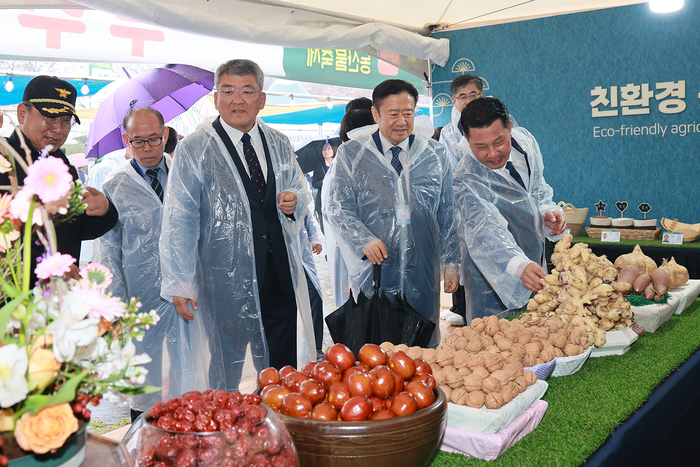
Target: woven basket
x=573 y=214
x=627 y=234
x=690 y=231
x=575 y=229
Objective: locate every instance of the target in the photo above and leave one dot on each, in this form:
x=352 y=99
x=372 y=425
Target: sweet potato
x=629 y=274
x=649 y=292
x=641 y=283
x=661 y=281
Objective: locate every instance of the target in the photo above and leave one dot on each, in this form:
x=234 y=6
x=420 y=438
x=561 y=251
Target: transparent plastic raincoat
x=311 y=229
x=207 y=251
x=450 y=136
x=130 y=251
x=360 y=206
x=500 y=221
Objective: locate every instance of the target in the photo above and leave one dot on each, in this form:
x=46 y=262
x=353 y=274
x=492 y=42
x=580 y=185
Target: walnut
x=511 y=370
x=481 y=371
x=440 y=378
x=585 y=343
x=477 y=324
x=507 y=394
x=464 y=371
x=530 y=377
x=460 y=343
x=571 y=349
x=512 y=336
x=493 y=400
x=529 y=360
x=491 y=320
x=499 y=335
x=518 y=349
x=447 y=390
x=559 y=341
x=574 y=338
x=400 y=348
x=474 y=361
x=541 y=335
x=504 y=325
x=415 y=352
x=430 y=356
x=518 y=368
x=476 y=399
x=486 y=340
x=521 y=383
x=473 y=382
x=558 y=352
x=459 y=396
x=494 y=362
x=492 y=328
x=469 y=333
x=448 y=369
x=446 y=355
x=459 y=331
x=492 y=349
x=549 y=347
x=461 y=359
x=474 y=346
x=505 y=344
x=546 y=355
x=491 y=384
x=502 y=376
x=533 y=348
x=451 y=338
x=388 y=347
x=435 y=367
x=455 y=380
x=525 y=336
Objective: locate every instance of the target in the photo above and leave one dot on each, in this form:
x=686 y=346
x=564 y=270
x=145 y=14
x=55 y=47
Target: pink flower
x=101 y=305
x=19 y=207
x=54 y=265
x=98 y=274
x=49 y=179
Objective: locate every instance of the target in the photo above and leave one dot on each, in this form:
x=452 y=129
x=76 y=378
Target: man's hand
x=97 y=203
x=181 y=307
x=316 y=248
x=531 y=277
x=451 y=282
x=287 y=202
x=375 y=251
x=74 y=273
x=556 y=221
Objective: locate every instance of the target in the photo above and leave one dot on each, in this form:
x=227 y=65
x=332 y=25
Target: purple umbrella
x=171 y=90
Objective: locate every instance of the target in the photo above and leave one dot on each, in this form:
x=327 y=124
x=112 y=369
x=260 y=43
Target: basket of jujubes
x=343 y=410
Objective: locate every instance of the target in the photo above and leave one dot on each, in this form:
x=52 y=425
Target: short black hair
x=481 y=113
x=357 y=104
x=392 y=87
x=464 y=80
x=355 y=119
x=172 y=140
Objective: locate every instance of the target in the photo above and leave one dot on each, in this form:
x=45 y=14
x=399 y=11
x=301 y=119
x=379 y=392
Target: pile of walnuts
x=582 y=290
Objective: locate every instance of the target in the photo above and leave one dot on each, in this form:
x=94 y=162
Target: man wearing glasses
x=464 y=89
x=130 y=250
x=233 y=206
x=46 y=115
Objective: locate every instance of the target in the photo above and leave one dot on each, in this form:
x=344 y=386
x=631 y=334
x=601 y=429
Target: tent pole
x=430 y=89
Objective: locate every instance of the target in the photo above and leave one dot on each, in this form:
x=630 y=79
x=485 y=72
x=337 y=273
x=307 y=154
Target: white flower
x=70 y=331
x=113 y=397
x=84 y=356
x=13 y=369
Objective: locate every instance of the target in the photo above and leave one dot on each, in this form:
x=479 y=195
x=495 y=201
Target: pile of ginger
x=581 y=290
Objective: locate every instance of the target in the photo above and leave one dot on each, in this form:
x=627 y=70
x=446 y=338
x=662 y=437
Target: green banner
x=342 y=67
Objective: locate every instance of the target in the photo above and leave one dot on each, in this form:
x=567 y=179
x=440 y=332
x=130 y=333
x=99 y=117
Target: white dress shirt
x=255 y=140
x=403 y=155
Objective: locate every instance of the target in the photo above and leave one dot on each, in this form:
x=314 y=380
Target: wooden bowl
x=407 y=441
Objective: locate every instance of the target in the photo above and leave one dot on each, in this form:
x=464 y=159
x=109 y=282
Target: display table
x=687 y=254
x=595 y=415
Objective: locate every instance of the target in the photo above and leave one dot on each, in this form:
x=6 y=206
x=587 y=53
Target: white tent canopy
x=396 y=31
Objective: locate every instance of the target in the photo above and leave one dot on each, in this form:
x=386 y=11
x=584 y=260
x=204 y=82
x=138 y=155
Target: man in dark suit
x=46 y=116
x=233 y=206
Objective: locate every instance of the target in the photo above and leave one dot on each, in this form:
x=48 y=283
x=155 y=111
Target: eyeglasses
x=65 y=121
x=246 y=94
x=152 y=142
x=469 y=97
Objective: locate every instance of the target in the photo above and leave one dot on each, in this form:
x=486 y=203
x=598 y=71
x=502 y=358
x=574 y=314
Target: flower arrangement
x=64 y=343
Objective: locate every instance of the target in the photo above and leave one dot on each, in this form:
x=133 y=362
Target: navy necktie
x=256 y=175
x=514 y=173
x=155 y=184
x=395 y=162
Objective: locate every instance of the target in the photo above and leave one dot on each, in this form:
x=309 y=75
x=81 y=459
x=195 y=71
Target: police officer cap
x=51 y=96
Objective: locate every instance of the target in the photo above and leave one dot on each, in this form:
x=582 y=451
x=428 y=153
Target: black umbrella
x=376 y=320
x=310 y=152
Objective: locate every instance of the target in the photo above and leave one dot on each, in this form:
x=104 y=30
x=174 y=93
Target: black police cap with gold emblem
x=51 y=96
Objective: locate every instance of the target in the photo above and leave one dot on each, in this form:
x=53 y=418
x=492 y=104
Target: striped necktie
x=395 y=162
x=514 y=173
x=155 y=184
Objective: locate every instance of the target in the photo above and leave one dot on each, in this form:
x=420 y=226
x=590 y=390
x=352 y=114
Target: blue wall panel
x=545 y=71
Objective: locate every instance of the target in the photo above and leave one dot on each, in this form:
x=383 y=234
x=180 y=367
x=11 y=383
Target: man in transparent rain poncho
x=505 y=210
x=390 y=199
x=233 y=206
x=130 y=251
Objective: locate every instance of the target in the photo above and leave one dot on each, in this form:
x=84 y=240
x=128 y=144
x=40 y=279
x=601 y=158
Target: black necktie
x=255 y=172
x=514 y=173
x=395 y=162
x=155 y=184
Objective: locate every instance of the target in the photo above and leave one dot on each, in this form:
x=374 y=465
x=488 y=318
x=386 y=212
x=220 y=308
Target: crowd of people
x=219 y=235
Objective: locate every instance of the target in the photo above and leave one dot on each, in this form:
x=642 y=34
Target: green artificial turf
x=642 y=243
x=585 y=408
